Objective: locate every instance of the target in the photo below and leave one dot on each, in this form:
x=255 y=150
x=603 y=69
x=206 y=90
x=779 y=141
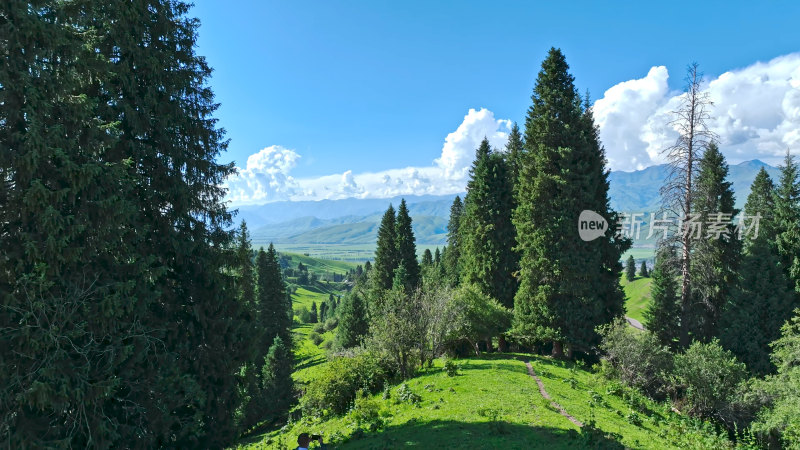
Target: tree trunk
x=502 y=345
x=558 y=350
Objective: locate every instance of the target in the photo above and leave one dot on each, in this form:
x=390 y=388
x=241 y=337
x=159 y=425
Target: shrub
x=709 y=376
x=319 y=328
x=405 y=394
x=334 y=387
x=638 y=358
x=315 y=338
x=451 y=368
x=303 y=314
x=366 y=413
x=331 y=323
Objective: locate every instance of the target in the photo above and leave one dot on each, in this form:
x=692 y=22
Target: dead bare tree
x=690 y=120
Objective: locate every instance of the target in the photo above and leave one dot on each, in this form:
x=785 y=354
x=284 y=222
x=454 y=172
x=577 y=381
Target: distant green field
x=637 y=294
x=357 y=253
x=317 y=264
x=640 y=253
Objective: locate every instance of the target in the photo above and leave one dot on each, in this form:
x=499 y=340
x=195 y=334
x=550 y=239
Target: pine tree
x=787 y=219
x=763 y=300
x=406 y=248
x=437 y=256
x=323 y=312
x=109 y=120
x=643 y=270
x=427 y=257
x=568 y=286
x=662 y=316
x=451 y=260
x=247 y=278
x=353 y=325
x=717 y=252
x=630 y=269
x=486 y=233
x=313 y=312
x=761 y=204
x=386 y=256
x=276 y=377
x=514 y=149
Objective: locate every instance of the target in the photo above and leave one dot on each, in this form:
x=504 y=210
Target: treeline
x=131 y=316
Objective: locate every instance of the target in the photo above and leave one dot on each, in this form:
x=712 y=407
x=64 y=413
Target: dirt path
x=546 y=396
x=635 y=323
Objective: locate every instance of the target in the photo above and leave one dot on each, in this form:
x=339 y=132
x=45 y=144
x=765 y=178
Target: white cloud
x=459 y=146
x=756 y=114
x=266 y=177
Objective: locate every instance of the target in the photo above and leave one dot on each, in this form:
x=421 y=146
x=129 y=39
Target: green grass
x=318 y=265
x=494 y=403
x=637 y=296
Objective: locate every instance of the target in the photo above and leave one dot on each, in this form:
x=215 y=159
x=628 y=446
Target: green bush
x=315 y=338
x=405 y=394
x=638 y=359
x=319 y=328
x=709 y=376
x=367 y=413
x=331 y=323
x=451 y=368
x=334 y=387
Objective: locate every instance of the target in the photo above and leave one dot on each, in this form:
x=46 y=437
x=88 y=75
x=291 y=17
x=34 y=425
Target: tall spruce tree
x=452 y=257
x=662 y=316
x=514 y=149
x=630 y=268
x=763 y=299
x=787 y=219
x=386 y=256
x=276 y=378
x=353 y=324
x=568 y=286
x=717 y=250
x=427 y=257
x=108 y=138
x=406 y=248
x=247 y=276
x=643 y=270
x=487 y=235
x=437 y=256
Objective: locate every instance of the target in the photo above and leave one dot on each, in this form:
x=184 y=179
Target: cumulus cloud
x=266 y=176
x=459 y=146
x=756 y=114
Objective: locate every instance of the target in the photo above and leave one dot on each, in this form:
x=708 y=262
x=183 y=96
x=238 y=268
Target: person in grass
x=304 y=440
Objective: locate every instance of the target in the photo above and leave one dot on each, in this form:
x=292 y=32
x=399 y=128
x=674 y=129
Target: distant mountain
x=355 y=221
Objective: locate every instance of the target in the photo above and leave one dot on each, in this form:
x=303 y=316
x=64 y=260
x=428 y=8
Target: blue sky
x=374 y=86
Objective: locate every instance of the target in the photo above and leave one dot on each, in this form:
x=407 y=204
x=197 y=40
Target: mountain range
x=355 y=221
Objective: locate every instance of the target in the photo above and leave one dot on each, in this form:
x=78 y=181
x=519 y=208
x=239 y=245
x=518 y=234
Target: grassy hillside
x=317 y=265
x=494 y=403
x=637 y=294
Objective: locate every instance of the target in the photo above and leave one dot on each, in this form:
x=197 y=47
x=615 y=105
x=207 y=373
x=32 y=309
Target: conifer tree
x=323 y=312
x=406 y=248
x=427 y=257
x=568 y=286
x=717 y=251
x=437 y=256
x=487 y=235
x=787 y=219
x=643 y=270
x=453 y=256
x=386 y=256
x=630 y=269
x=107 y=137
x=662 y=316
x=276 y=377
x=247 y=278
x=763 y=299
x=353 y=325
x=514 y=149
x=313 y=312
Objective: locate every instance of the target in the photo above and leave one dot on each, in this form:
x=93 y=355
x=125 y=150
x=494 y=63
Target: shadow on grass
x=478 y=435
x=305 y=363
